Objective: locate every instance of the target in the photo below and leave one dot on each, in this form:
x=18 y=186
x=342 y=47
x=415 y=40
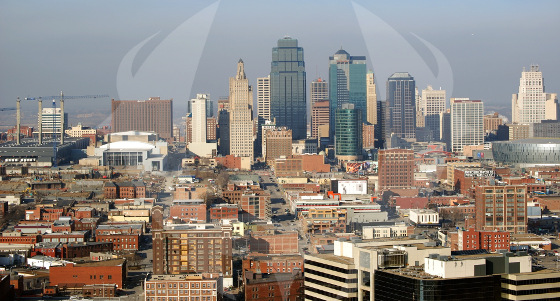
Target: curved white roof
x=135 y=145
x=132 y=133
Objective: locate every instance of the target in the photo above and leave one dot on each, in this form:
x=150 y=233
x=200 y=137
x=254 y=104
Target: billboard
x=352 y=187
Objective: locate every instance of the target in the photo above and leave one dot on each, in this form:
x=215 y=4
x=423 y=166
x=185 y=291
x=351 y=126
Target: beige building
x=529 y=104
x=241 y=114
x=520 y=131
x=467 y=125
x=263 y=97
x=80 y=131
x=319 y=90
x=206 y=287
x=371 y=98
x=492 y=122
x=319 y=117
x=199 y=145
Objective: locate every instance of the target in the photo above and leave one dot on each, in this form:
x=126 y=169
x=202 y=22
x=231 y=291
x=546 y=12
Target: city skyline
x=84 y=58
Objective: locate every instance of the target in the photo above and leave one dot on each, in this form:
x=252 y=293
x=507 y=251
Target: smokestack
x=61 y=118
x=40 y=101
x=18 y=120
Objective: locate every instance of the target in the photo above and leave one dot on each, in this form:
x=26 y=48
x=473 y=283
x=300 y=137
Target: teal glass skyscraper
x=287 y=87
x=348 y=132
x=401 y=102
x=347 y=84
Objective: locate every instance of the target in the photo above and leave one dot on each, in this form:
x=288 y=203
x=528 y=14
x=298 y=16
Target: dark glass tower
x=348 y=132
x=401 y=102
x=287 y=87
x=347 y=83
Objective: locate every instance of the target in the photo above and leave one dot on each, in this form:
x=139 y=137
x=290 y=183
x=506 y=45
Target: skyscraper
x=467 y=123
x=199 y=145
x=209 y=107
x=263 y=97
x=50 y=120
x=347 y=83
x=241 y=114
x=152 y=115
x=319 y=116
x=501 y=208
x=319 y=90
x=401 y=104
x=288 y=85
x=529 y=104
x=223 y=126
x=432 y=103
x=371 y=98
x=348 y=132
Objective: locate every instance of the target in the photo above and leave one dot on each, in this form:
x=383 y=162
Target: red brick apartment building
x=274 y=242
x=193 y=249
x=189 y=211
x=152 y=115
x=199 y=287
x=274 y=287
x=488 y=240
x=220 y=212
x=273 y=264
x=121 y=242
x=125 y=190
x=501 y=208
x=76 y=275
x=396 y=168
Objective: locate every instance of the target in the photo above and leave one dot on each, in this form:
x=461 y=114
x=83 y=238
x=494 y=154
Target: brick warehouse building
x=396 y=168
x=273 y=264
x=274 y=242
x=121 y=242
x=126 y=190
x=501 y=208
x=274 y=287
x=76 y=275
x=193 y=249
x=181 y=287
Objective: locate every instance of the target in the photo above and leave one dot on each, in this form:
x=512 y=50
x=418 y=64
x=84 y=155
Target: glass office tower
x=401 y=101
x=348 y=132
x=287 y=86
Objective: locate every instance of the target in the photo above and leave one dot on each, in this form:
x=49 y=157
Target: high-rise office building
x=288 y=87
x=211 y=129
x=348 y=133
x=223 y=126
x=241 y=114
x=263 y=97
x=50 y=120
x=209 y=107
x=347 y=83
x=401 y=103
x=529 y=104
x=152 y=115
x=492 y=122
x=319 y=116
x=432 y=103
x=445 y=128
x=502 y=208
x=396 y=168
x=319 y=90
x=199 y=128
x=467 y=123
x=371 y=96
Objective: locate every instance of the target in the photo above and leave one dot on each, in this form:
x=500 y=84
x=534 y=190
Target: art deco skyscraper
x=371 y=98
x=401 y=104
x=347 y=83
x=467 y=123
x=263 y=97
x=241 y=114
x=529 y=104
x=288 y=85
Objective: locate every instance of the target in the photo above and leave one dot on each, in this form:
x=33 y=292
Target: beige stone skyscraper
x=319 y=90
x=241 y=114
x=530 y=103
x=371 y=96
x=263 y=97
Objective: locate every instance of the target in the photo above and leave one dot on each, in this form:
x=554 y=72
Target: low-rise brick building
x=220 y=212
x=189 y=211
x=274 y=242
x=202 y=287
x=78 y=275
x=274 y=286
x=487 y=240
x=273 y=264
x=121 y=242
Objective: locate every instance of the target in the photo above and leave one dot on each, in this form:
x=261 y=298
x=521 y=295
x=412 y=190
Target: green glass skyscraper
x=348 y=132
x=287 y=87
x=347 y=83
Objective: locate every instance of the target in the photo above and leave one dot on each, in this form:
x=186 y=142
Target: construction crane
x=62 y=125
x=7 y=109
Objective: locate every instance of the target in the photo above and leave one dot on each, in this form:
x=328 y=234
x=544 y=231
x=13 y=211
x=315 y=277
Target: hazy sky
x=175 y=49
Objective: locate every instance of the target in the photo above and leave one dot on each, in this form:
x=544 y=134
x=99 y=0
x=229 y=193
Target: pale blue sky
x=77 y=46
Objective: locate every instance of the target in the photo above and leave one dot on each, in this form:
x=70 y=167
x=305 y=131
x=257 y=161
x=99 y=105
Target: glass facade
x=348 y=131
x=347 y=83
x=288 y=87
x=527 y=151
x=401 y=100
